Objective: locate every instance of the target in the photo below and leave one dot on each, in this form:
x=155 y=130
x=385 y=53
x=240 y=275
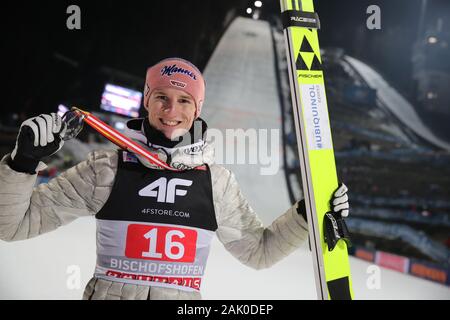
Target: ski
x=317 y=163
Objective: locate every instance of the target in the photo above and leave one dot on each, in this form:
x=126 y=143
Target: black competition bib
x=156 y=227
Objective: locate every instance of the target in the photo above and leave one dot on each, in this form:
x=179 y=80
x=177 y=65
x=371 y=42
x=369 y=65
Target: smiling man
x=154 y=226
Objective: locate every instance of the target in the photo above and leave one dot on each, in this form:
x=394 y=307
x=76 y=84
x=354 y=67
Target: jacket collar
x=187 y=154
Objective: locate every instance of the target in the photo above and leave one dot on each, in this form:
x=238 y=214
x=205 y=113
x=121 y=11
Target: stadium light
x=432 y=40
x=249 y=10
x=431 y=95
x=258 y=4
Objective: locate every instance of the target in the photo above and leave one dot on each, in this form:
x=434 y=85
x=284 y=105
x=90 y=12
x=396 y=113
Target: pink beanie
x=179 y=74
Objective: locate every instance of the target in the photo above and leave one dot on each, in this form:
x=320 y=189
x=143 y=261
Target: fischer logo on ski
x=307 y=59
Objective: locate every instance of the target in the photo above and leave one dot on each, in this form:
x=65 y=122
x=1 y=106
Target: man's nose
x=169 y=106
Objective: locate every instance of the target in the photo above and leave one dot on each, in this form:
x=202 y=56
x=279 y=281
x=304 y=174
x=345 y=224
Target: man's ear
x=198 y=109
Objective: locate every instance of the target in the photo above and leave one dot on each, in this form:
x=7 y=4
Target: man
x=154 y=226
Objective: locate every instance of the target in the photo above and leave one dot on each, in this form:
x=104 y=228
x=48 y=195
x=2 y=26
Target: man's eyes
x=179 y=100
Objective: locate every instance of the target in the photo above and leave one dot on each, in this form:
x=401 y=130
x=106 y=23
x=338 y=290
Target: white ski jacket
x=27 y=211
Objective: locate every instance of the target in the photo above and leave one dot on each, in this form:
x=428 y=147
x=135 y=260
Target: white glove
x=38 y=138
x=339 y=202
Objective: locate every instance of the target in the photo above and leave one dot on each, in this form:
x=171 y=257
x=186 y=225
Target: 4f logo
x=165 y=191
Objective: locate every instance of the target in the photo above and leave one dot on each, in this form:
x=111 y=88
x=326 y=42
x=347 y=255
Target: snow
x=37 y=269
x=241 y=93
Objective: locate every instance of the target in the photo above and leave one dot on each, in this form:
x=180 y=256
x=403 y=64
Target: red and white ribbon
x=121 y=140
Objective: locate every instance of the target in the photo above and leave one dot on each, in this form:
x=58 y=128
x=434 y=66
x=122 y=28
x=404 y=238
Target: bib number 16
x=161 y=243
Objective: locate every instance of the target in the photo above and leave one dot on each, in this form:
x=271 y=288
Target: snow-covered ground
x=42 y=268
x=241 y=94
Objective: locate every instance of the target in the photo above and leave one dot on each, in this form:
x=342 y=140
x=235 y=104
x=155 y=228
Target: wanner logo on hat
x=170 y=70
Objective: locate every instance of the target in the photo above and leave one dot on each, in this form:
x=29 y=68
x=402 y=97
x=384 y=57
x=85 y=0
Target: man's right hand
x=38 y=138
